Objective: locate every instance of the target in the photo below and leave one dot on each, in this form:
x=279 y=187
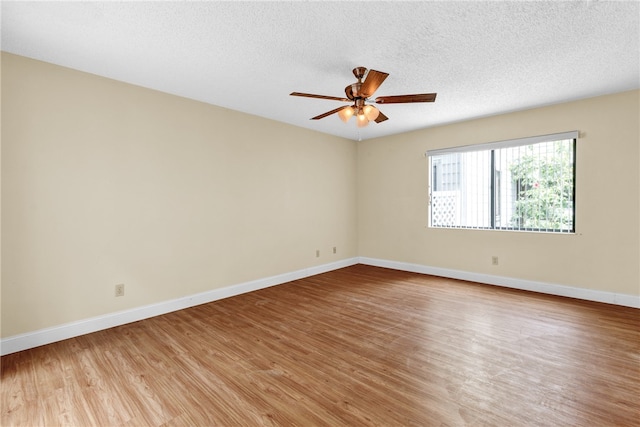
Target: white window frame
x=490 y=147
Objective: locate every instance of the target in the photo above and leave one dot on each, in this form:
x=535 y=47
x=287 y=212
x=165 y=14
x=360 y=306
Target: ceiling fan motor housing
x=353 y=90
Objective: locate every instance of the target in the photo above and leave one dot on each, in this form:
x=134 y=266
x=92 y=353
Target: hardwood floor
x=360 y=346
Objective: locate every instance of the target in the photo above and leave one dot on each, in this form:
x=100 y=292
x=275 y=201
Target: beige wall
x=604 y=253
x=106 y=183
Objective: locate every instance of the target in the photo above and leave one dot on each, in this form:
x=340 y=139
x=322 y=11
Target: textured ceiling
x=482 y=58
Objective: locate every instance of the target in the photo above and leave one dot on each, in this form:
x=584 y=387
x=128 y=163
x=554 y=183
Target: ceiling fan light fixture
x=371 y=112
x=345 y=114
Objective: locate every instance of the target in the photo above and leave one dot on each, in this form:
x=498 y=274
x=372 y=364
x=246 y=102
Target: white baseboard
x=509 y=282
x=69 y=330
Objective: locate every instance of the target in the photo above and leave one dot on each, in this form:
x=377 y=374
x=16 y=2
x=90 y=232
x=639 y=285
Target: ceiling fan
x=359 y=94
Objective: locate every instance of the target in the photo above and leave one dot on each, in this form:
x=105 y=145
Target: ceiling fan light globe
x=371 y=112
x=345 y=114
x=362 y=120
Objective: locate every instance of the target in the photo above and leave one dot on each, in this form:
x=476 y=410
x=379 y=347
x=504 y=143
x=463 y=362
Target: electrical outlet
x=335 y=250
x=120 y=290
x=494 y=260
x=317 y=253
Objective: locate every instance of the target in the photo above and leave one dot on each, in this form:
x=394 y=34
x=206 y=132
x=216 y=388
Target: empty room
x=320 y=214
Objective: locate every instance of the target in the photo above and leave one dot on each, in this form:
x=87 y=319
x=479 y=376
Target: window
x=525 y=184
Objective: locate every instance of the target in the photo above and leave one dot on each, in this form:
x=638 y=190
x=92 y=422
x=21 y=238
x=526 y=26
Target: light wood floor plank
x=360 y=346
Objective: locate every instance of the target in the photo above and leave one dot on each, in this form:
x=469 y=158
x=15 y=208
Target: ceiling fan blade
x=328 y=113
x=310 y=95
x=381 y=118
x=401 y=99
x=372 y=83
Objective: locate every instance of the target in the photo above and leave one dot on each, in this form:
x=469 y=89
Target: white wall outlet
x=335 y=250
x=120 y=290
x=494 y=260
x=317 y=253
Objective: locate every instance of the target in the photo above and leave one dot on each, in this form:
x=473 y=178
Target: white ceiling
x=482 y=58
